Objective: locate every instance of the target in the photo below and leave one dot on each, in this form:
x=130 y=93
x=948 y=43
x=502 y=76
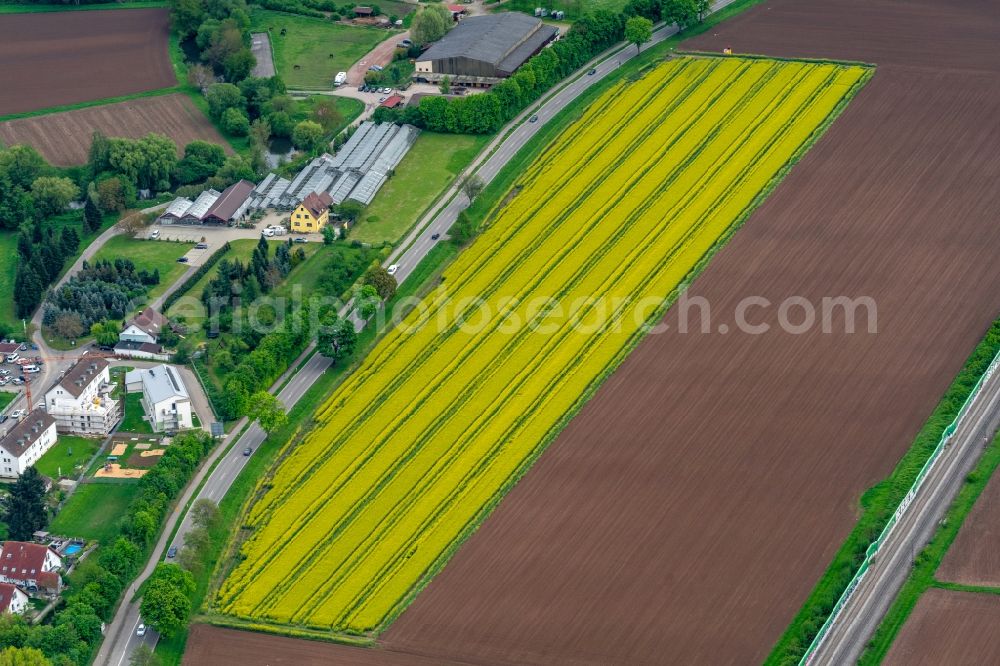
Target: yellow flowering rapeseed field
x=420 y=442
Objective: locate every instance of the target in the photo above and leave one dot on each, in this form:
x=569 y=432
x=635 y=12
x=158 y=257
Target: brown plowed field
x=974 y=556
x=52 y=59
x=685 y=514
x=953 y=628
x=224 y=647
x=64 y=138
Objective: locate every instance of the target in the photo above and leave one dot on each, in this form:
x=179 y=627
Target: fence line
x=900 y=511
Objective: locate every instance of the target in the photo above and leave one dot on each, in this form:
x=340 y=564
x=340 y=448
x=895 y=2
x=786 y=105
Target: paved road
x=860 y=617
x=121 y=640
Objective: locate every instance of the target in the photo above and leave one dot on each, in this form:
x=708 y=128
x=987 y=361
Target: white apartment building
x=165 y=398
x=22 y=445
x=81 y=401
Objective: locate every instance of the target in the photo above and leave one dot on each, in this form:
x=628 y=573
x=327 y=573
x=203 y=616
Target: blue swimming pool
x=72 y=549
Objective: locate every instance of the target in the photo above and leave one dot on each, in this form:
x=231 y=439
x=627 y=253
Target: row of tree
x=41 y=254
x=31 y=189
x=75 y=629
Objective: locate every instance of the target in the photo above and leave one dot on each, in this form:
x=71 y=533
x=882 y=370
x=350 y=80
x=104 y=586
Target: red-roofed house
x=312 y=213
x=457 y=10
x=392 y=101
x=12 y=600
x=30 y=565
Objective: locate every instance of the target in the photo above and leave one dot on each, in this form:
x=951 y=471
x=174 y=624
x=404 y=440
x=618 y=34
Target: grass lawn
x=68 y=452
x=426 y=171
x=349 y=109
x=6 y=397
x=93 y=511
x=313 y=50
x=148 y=254
x=133 y=421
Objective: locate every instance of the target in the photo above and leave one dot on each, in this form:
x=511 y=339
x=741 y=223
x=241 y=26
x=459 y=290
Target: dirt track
x=954 y=628
x=64 y=138
x=684 y=515
x=52 y=59
x=974 y=557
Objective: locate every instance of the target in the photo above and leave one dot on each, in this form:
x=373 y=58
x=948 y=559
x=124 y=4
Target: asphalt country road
x=861 y=615
x=120 y=638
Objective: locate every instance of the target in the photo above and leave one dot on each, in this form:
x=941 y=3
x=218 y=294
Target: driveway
x=380 y=55
x=261 y=48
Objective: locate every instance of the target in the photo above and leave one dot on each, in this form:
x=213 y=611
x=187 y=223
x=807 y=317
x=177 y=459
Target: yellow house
x=312 y=213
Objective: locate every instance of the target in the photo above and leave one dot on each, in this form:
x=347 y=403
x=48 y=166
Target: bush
x=235 y=122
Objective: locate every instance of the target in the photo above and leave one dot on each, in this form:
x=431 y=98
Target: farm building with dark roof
x=483 y=50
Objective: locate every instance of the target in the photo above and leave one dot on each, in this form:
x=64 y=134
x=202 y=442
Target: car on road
x=201 y=246
x=386 y=90
x=182 y=260
x=172 y=552
x=34 y=347
x=3 y=418
x=300 y=239
x=12 y=357
x=247 y=451
x=140 y=630
x=18 y=380
x=376 y=68
x=4 y=381
x=435 y=236
x=382 y=99
x=404 y=44
x=392 y=269
x=23 y=347
x=18 y=413
x=155 y=234
x=268 y=232
x=592 y=72
x=533 y=119
x=4 y=372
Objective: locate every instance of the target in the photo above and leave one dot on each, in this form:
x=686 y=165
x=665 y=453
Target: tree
x=308 y=136
x=235 y=122
x=22 y=164
x=682 y=12
x=472 y=185
x=201 y=77
x=186 y=16
x=166 y=603
x=201 y=160
x=430 y=24
x=281 y=123
x=349 y=210
x=222 y=96
x=105 y=333
x=260 y=133
x=445 y=86
x=238 y=65
x=329 y=235
x=337 y=337
x=366 y=301
x=379 y=278
x=26 y=512
x=23 y=656
x=267 y=410
x=132 y=222
x=68 y=325
x=92 y=217
x=52 y=194
x=638 y=31
x=143 y=655
x=115 y=195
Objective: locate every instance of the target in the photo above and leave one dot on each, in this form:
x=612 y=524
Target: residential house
x=12 y=600
x=165 y=398
x=31 y=566
x=312 y=213
x=22 y=445
x=81 y=401
x=146 y=351
x=231 y=205
x=145 y=327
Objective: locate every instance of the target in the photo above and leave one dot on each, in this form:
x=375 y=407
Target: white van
x=268 y=233
x=155 y=234
x=13 y=357
x=30 y=368
x=340 y=79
